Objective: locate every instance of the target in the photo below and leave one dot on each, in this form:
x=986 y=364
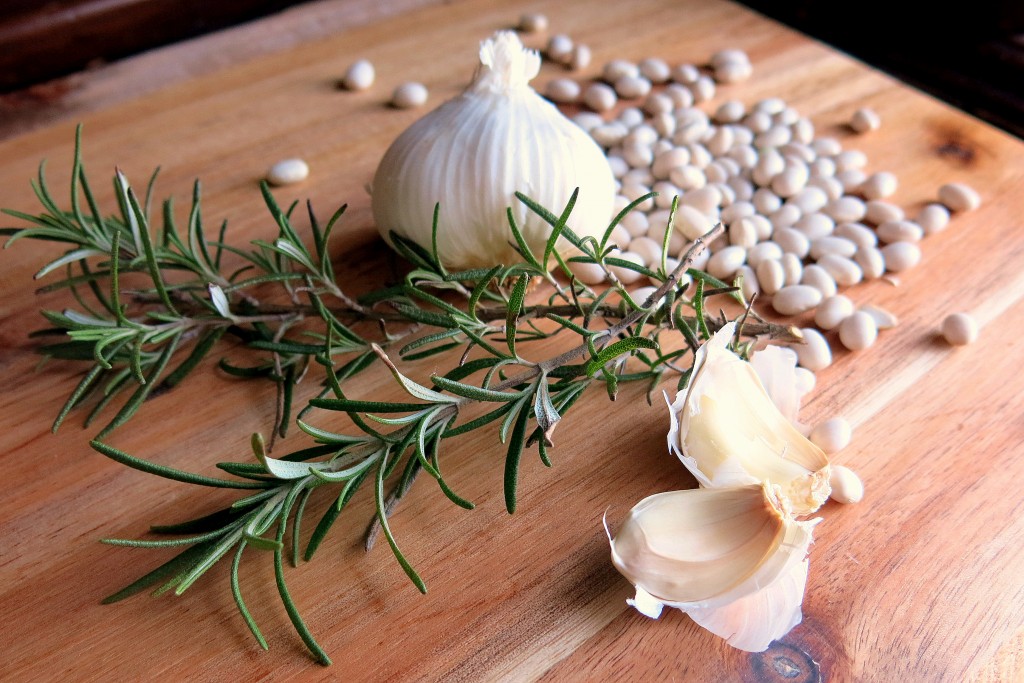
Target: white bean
x=703 y=89
x=815 y=353
x=737 y=211
x=899 y=231
x=792 y=267
x=810 y=199
x=846 y=209
x=636 y=223
x=617 y=68
x=748 y=282
x=705 y=199
x=559 y=48
x=730 y=111
x=959 y=329
x=846 y=486
x=871 y=262
x=724 y=263
x=599 y=97
x=815 y=226
x=632 y=87
x=849 y=159
x=359 y=76
x=609 y=134
x=648 y=250
x=409 y=95
x=729 y=55
x=655 y=70
x=763 y=251
x=688 y=177
x=627 y=276
x=680 y=95
x=786 y=216
x=864 y=120
x=843 y=270
x=765 y=201
x=851 y=178
x=832 y=436
x=804 y=380
x=562 y=90
x=832 y=311
x=879 y=185
x=878 y=212
x=287 y=172
x=770 y=275
x=587 y=273
x=791 y=180
x=743 y=233
x=900 y=256
x=933 y=218
x=631 y=117
x=820 y=279
x=861 y=235
x=588 y=120
x=959 y=197
x=533 y=22
x=795 y=299
x=858 y=331
x=733 y=72
x=580 y=57
x=803 y=130
x=691 y=222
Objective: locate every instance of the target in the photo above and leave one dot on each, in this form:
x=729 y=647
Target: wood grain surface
x=922 y=581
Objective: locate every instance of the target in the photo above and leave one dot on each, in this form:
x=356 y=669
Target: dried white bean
x=559 y=48
x=861 y=235
x=620 y=236
x=787 y=117
x=533 y=22
x=846 y=209
x=609 y=134
x=815 y=353
x=765 y=201
x=823 y=167
x=288 y=171
x=817 y=277
x=632 y=87
x=792 y=179
x=587 y=273
x=900 y=256
x=359 y=76
x=743 y=189
x=736 y=211
x=647 y=249
x=843 y=270
x=763 y=251
x=832 y=436
x=679 y=94
x=599 y=97
x=617 y=68
x=744 y=155
x=858 y=331
x=588 y=120
x=562 y=90
x=832 y=311
x=655 y=70
x=705 y=199
x=933 y=218
x=770 y=275
x=878 y=212
x=776 y=136
x=703 y=89
x=685 y=73
x=748 y=282
x=871 y=262
x=795 y=299
x=639 y=176
x=959 y=329
x=729 y=55
x=899 y=231
x=815 y=226
x=665 y=162
x=691 y=222
x=580 y=58
x=627 y=276
x=618 y=165
x=638 y=155
x=792 y=267
x=879 y=185
x=830 y=244
x=409 y=95
x=786 y=216
x=688 y=177
x=810 y=199
x=846 y=486
x=733 y=72
x=884 y=320
x=724 y=263
x=792 y=241
x=804 y=381
x=730 y=111
x=797 y=152
x=850 y=158
x=959 y=197
x=631 y=117
x=743 y=234
x=803 y=130
x=636 y=223
x=832 y=187
x=864 y=120
x=851 y=178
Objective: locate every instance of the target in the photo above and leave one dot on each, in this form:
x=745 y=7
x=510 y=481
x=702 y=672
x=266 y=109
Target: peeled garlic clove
x=727 y=431
x=753 y=622
x=474 y=152
x=706 y=548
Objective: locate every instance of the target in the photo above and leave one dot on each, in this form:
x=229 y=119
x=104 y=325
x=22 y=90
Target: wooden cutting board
x=922 y=581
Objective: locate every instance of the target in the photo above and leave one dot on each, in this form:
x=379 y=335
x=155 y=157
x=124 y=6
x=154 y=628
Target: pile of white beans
x=803 y=216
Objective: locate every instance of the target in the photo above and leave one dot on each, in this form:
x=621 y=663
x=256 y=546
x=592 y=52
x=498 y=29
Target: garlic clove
x=474 y=152
x=706 y=548
x=753 y=622
x=727 y=431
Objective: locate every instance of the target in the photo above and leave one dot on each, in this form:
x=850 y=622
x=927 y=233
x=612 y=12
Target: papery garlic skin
x=706 y=548
x=471 y=155
x=727 y=431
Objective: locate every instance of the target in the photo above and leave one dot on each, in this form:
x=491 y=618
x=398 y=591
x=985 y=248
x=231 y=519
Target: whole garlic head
x=471 y=155
x=734 y=559
x=727 y=431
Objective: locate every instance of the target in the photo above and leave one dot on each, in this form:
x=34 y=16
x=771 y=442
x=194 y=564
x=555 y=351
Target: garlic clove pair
x=704 y=549
x=727 y=431
x=473 y=153
x=734 y=559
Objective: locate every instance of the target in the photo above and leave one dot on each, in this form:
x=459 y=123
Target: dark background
x=970 y=54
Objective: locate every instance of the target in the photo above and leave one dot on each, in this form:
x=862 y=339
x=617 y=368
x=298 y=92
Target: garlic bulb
x=733 y=558
x=471 y=155
x=727 y=431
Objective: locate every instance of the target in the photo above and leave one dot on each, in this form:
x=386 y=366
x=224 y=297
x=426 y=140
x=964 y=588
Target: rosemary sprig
x=283 y=301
